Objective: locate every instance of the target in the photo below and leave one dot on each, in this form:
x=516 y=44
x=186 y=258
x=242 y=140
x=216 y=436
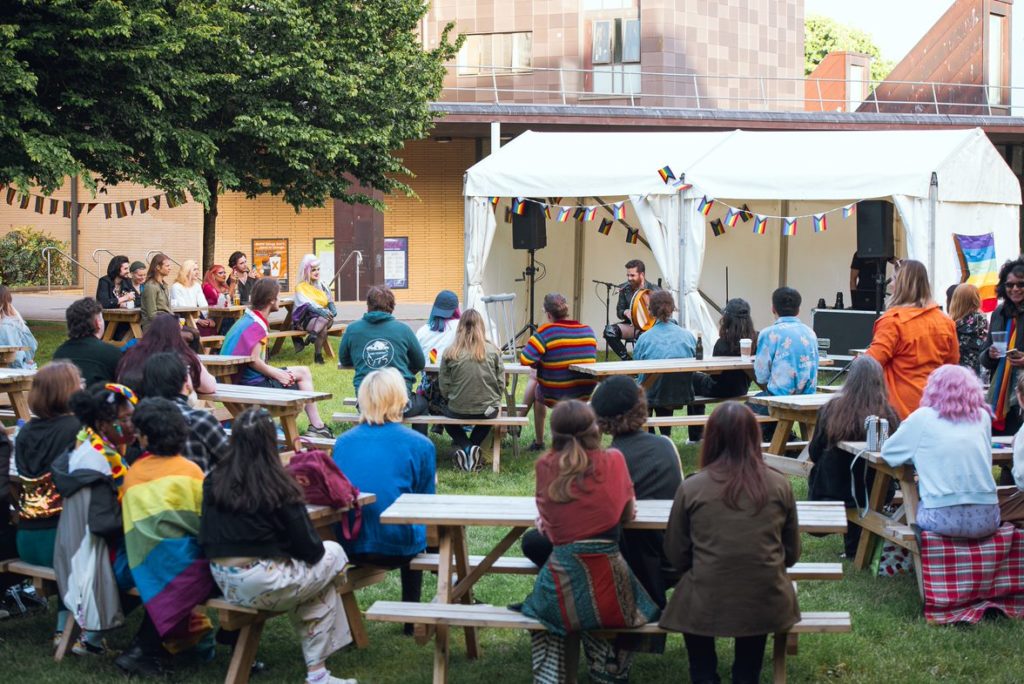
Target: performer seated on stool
x=616 y=333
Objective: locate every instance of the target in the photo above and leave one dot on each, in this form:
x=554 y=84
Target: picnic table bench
x=132 y=318
x=16 y=383
x=8 y=353
x=457 y=573
x=277 y=336
x=284 y=404
x=224 y=368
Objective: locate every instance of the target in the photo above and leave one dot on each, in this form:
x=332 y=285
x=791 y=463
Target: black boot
x=135 y=661
x=613 y=336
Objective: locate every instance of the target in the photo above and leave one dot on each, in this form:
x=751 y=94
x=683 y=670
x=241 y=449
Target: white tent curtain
x=480 y=226
x=675 y=230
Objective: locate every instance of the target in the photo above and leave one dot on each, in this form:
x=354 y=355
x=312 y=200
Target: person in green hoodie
x=379 y=341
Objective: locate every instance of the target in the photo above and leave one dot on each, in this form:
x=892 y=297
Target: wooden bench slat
x=443 y=420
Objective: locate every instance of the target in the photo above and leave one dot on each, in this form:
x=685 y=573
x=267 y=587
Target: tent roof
x=793 y=165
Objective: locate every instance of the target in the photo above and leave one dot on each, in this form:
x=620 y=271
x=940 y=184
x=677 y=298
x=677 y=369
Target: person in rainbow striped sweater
x=553 y=348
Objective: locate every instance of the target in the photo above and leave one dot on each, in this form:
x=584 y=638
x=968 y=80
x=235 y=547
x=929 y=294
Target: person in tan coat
x=731 y=534
x=912 y=338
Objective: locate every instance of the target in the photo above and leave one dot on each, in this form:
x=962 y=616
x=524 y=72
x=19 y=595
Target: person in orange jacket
x=912 y=338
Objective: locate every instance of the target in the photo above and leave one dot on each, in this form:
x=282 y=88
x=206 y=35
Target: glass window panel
x=522 y=51
x=602 y=79
x=631 y=40
x=995 y=59
x=602 y=38
x=469 y=55
x=631 y=79
x=855 y=87
x=501 y=50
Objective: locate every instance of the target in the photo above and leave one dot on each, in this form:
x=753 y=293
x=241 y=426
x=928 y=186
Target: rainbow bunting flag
x=494 y=201
x=760 y=224
x=746 y=214
x=518 y=206
x=717 y=228
x=666 y=174
x=681 y=185
x=508 y=214
x=25 y=199
x=705 y=205
x=563 y=214
x=632 y=236
x=977 y=256
x=789 y=226
x=849 y=210
x=578 y=213
x=38 y=205
x=619 y=210
x=547 y=210
x=820 y=223
x=731 y=217
x=606 y=227
x=589 y=213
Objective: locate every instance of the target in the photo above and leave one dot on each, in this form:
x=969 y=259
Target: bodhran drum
x=640 y=310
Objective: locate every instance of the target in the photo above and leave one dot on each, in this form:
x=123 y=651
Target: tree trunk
x=210 y=225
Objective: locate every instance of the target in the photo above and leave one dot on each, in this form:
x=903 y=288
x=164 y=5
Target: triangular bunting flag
x=11 y=194
x=760 y=224
x=156 y=202
x=508 y=214
x=131 y=205
x=81 y=207
x=578 y=213
x=518 y=206
x=717 y=228
x=589 y=213
x=172 y=200
x=849 y=210
x=666 y=174
x=619 y=210
x=53 y=206
x=547 y=210
x=705 y=205
x=143 y=206
x=746 y=214
x=494 y=201
x=606 y=227
x=789 y=226
x=92 y=205
x=820 y=223
x=121 y=210
x=25 y=199
x=38 y=208
x=681 y=185
x=66 y=209
x=563 y=214
x=106 y=210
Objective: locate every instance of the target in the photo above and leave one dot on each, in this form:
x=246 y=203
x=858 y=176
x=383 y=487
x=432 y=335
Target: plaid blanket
x=965 y=577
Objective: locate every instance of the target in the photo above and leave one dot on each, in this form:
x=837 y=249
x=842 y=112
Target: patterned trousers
x=307 y=592
x=606 y=663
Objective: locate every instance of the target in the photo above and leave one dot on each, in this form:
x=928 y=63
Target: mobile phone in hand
x=1014 y=353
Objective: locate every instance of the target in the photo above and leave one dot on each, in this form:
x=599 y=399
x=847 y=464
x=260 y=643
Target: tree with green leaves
x=823 y=35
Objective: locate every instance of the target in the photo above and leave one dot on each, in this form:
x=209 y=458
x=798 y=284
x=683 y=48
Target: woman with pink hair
x=949 y=441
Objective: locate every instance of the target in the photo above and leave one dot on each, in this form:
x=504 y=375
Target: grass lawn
x=890 y=639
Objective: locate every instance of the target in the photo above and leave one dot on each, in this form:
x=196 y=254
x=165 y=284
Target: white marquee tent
x=941 y=182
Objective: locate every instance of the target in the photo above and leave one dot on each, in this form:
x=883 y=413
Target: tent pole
x=783 y=248
x=684 y=231
x=933 y=200
x=579 y=246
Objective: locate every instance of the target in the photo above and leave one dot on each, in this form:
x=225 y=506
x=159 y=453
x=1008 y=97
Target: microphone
x=601 y=282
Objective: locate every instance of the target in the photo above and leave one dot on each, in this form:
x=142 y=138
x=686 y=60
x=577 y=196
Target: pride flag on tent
x=705 y=205
x=563 y=214
x=789 y=226
x=977 y=256
x=760 y=224
x=820 y=223
x=518 y=206
x=731 y=217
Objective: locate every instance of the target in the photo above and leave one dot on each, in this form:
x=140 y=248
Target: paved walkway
x=44 y=307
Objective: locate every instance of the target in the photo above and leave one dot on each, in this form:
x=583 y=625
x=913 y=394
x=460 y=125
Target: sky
x=895 y=25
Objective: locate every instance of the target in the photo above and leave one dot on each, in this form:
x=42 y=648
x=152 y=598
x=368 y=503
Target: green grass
x=890 y=639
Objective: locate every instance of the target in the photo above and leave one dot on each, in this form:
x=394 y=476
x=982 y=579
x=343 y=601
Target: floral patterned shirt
x=971 y=332
x=787 y=358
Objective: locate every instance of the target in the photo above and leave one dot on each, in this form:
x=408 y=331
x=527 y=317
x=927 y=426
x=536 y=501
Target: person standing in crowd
x=1005 y=367
x=84 y=347
x=163 y=336
x=584 y=494
x=625 y=330
x=666 y=340
x=557 y=344
x=842 y=419
x=379 y=341
x=115 y=290
x=264 y=551
x=187 y=292
x=382 y=456
x=912 y=338
x=240 y=277
x=971 y=324
x=732 y=533
x=165 y=375
x=15 y=332
x=138 y=272
x=472 y=380
x=948 y=439
x=314 y=308
x=248 y=337
x=51 y=432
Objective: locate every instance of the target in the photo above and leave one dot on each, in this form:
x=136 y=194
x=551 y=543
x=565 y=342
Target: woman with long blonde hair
x=912 y=338
x=187 y=292
x=472 y=379
x=971 y=324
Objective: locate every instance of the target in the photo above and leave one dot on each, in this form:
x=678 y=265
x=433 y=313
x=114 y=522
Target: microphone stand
x=608 y=287
x=529 y=275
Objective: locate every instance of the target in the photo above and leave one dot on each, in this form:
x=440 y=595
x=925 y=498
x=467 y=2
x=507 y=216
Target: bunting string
x=42 y=205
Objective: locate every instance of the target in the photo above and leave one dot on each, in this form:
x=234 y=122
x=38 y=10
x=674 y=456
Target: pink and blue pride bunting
x=705 y=205
x=563 y=214
x=619 y=210
x=849 y=210
x=731 y=217
x=589 y=213
x=760 y=224
x=789 y=226
x=820 y=223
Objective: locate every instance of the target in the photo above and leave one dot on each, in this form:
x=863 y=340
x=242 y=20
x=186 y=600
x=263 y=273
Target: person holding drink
x=1002 y=353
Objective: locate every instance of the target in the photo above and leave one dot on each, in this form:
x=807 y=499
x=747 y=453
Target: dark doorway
x=358 y=227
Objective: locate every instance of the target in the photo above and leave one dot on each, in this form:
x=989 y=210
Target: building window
x=856 y=87
x=997 y=53
x=483 y=53
x=615 y=56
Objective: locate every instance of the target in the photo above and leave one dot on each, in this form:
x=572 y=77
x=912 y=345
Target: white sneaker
x=475 y=458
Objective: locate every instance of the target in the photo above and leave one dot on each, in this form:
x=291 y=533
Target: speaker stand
x=529 y=276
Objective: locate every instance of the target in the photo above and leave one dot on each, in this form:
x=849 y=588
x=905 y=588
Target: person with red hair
x=949 y=441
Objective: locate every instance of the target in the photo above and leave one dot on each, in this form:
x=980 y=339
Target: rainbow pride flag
x=820 y=223
x=760 y=224
x=977 y=256
x=789 y=226
x=606 y=227
x=619 y=210
x=563 y=214
x=589 y=213
x=705 y=205
x=666 y=174
x=519 y=206
x=732 y=217
x=849 y=210
x=717 y=228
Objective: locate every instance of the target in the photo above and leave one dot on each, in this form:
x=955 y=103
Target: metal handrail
x=46 y=255
x=359 y=262
x=150 y=253
x=101 y=249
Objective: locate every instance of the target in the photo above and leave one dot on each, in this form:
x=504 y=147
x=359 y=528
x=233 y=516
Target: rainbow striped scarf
x=1001 y=389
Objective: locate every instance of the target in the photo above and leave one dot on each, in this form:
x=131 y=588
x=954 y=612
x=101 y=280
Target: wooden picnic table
x=452 y=514
x=15 y=383
x=285 y=404
x=896 y=527
x=8 y=353
x=190 y=314
x=801 y=409
x=130 y=317
x=711 y=366
x=224 y=368
x=325 y=517
x=218 y=314
x=288 y=304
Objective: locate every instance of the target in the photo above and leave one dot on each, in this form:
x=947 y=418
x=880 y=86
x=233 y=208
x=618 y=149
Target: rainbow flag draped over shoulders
x=163 y=497
x=1002 y=381
x=977 y=256
x=247 y=332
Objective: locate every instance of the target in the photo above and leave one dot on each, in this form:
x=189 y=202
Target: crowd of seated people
x=117 y=457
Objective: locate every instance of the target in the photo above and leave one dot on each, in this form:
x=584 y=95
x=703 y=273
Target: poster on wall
x=396 y=263
x=323 y=248
x=270 y=259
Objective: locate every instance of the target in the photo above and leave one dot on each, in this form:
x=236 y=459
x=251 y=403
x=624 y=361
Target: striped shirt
x=555 y=347
x=248 y=331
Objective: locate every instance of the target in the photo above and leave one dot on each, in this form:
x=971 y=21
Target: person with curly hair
x=1005 y=368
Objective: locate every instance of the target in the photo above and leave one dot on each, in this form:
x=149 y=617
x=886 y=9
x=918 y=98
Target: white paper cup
x=745 y=344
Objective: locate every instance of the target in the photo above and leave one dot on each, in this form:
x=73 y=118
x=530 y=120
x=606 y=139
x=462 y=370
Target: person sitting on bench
x=732 y=533
x=264 y=552
x=666 y=339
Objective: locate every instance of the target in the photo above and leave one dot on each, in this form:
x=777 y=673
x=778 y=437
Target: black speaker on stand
x=530 y=232
x=874 y=241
